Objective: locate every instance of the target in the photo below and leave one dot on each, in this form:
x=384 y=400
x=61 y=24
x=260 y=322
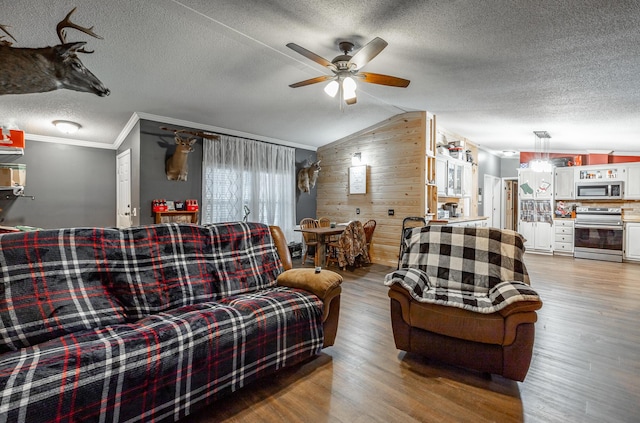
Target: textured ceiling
x=492 y=71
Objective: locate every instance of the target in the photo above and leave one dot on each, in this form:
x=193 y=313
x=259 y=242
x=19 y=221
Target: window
x=239 y=172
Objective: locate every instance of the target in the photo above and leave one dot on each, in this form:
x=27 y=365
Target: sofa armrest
x=281 y=246
x=326 y=286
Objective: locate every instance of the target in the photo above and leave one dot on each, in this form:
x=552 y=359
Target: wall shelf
x=11 y=151
x=17 y=191
x=179 y=216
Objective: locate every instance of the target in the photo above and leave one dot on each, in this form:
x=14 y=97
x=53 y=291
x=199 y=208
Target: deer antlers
x=6 y=42
x=195 y=133
x=66 y=23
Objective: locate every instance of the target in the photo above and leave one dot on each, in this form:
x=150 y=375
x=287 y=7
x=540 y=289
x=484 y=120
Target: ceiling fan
x=346 y=69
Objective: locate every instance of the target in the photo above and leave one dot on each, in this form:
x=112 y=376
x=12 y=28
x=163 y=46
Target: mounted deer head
x=176 y=165
x=37 y=70
x=307 y=176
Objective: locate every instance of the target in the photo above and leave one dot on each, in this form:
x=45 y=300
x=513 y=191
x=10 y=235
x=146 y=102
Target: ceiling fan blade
x=312 y=81
x=377 y=78
x=368 y=52
x=312 y=56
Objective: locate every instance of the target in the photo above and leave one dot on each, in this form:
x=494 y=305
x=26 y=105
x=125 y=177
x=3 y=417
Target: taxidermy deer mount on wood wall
x=307 y=176
x=38 y=70
x=176 y=166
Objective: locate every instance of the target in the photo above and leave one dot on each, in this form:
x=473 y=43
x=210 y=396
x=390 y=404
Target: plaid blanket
x=140 y=324
x=477 y=269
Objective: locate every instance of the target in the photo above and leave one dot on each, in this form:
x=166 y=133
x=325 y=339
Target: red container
x=192 y=205
x=13 y=139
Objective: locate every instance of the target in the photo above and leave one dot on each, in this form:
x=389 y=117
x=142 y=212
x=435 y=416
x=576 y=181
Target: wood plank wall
x=394 y=152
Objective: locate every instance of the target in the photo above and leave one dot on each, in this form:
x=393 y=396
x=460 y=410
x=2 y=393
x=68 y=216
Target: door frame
x=503 y=202
x=488 y=202
x=119 y=158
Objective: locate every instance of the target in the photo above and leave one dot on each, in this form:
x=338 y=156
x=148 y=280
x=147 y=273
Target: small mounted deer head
x=307 y=177
x=176 y=165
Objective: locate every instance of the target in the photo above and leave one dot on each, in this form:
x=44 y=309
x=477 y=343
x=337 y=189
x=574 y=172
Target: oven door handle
x=582 y=226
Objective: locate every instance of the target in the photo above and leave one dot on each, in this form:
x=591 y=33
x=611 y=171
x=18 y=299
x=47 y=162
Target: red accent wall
x=584 y=159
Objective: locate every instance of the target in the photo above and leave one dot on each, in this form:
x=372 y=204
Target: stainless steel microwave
x=593 y=190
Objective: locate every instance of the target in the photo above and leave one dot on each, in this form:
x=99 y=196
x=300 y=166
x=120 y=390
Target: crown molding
x=69 y=141
x=135 y=118
x=216 y=130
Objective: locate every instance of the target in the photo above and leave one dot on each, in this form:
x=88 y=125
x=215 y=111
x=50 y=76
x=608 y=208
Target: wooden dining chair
x=369 y=226
x=310 y=240
x=324 y=222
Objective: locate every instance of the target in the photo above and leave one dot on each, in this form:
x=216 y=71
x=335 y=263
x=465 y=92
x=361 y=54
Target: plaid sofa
x=142 y=324
x=463 y=296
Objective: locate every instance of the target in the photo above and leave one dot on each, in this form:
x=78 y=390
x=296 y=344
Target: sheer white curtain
x=237 y=172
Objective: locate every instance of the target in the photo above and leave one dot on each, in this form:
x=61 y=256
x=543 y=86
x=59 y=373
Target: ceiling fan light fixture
x=332 y=88
x=349 y=86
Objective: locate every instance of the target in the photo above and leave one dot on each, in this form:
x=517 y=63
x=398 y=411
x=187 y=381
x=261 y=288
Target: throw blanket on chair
x=476 y=269
x=353 y=246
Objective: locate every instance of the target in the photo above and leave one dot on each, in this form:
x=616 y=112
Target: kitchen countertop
x=462 y=219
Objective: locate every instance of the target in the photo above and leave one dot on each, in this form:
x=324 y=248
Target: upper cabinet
x=610 y=172
x=632 y=185
x=538 y=185
x=564 y=185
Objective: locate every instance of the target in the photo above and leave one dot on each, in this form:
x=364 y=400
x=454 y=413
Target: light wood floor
x=585 y=367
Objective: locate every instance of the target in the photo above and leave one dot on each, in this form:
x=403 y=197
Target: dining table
x=323 y=234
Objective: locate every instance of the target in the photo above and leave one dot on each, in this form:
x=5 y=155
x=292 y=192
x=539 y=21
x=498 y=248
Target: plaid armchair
x=462 y=296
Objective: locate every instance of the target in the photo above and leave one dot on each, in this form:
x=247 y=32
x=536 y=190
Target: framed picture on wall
x=358 y=179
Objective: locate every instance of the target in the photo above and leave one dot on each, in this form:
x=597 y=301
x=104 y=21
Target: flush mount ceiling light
x=508 y=153
x=66 y=126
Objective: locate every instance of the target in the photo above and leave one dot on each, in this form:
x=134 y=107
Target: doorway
x=510 y=203
x=123 y=189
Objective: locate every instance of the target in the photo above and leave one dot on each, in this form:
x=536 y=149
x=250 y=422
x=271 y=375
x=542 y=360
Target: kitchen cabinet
x=469 y=223
x=467 y=180
x=536 y=225
x=451 y=177
x=535 y=185
x=610 y=172
x=563 y=183
x=563 y=236
x=441 y=176
x=632 y=186
x=632 y=241
x=454 y=179
x=538 y=236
